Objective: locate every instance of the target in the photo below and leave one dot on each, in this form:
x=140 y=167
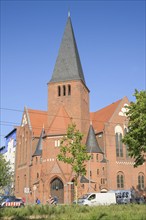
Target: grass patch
x=75 y=212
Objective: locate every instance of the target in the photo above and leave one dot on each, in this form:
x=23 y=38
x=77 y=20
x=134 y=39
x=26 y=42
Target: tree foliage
x=73 y=152
x=5 y=173
x=135 y=138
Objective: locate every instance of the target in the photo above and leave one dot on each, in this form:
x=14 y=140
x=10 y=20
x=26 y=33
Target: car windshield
x=7 y=198
x=84 y=196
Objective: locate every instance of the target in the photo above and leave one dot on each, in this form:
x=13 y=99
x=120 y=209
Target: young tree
x=73 y=152
x=135 y=138
x=5 y=173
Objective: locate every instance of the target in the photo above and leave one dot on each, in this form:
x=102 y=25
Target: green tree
x=135 y=138
x=5 y=173
x=73 y=152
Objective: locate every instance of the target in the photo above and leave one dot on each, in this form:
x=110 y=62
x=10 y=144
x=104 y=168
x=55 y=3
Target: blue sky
x=111 y=41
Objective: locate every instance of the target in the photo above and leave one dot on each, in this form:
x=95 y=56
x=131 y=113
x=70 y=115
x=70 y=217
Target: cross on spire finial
x=68 y=13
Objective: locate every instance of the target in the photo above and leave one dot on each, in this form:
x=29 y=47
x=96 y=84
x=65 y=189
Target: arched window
x=96 y=157
x=90 y=173
x=97 y=172
x=118 y=140
x=37 y=175
x=119 y=145
x=69 y=89
x=64 y=90
x=141 y=181
x=103 y=181
x=59 y=91
x=120 y=180
x=56 y=184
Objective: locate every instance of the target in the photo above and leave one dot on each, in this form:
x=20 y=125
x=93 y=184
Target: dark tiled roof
x=68 y=65
x=103 y=160
x=91 y=143
x=85 y=180
x=38 y=151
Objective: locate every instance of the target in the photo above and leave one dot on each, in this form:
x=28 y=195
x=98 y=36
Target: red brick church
x=38 y=172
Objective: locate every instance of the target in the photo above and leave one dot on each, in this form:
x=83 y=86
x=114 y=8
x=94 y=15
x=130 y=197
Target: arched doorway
x=57 y=189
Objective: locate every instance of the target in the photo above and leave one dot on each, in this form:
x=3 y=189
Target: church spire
x=91 y=142
x=68 y=65
x=68 y=13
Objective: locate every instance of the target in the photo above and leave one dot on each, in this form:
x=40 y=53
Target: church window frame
x=103 y=181
x=69 y=89
x=119 y=145
x=59 y=90
x=118 y=141
x=57 y=143
x=64 y=90
x=56 y=184
x=90 y=173
x=141 y=180
x=120 y=180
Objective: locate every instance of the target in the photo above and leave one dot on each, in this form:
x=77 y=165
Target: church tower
x=67 y=88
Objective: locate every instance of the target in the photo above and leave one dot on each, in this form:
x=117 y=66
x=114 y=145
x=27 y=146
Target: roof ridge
x=107 y=106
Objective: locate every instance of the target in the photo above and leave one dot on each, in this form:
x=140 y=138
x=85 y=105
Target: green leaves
x=73 y=152
x=5 y=173
x=135 y=138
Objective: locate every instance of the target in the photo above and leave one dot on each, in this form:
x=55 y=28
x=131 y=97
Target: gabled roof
x=37 y=120
x=91 y=143
x=60 y=122
x=68 y=65
x=38 y=151
x=102 y=116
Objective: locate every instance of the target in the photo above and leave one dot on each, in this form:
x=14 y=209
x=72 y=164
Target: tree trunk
x=76 y=189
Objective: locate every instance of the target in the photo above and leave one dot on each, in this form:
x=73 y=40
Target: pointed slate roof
x=91 y=143
x=68 y=65
x=38 y=151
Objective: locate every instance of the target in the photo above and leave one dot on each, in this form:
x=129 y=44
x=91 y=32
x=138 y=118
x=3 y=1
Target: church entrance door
x=57 y=189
